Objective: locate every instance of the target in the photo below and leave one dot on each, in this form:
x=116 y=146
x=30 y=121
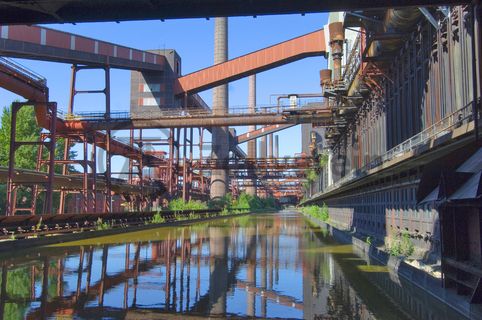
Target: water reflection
x=275 y=266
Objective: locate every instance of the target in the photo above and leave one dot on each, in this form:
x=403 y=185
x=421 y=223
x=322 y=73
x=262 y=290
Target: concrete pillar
x=251 y=189
x=220 y=135
x=276 y=146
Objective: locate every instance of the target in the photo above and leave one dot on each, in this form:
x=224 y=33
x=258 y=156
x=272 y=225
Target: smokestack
x=270 y=144
x=220 y=135
x=251 y=189
x=262 y=147
x=276 y=146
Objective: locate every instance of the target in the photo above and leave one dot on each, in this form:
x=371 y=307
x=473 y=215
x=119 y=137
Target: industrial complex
x=390 y=144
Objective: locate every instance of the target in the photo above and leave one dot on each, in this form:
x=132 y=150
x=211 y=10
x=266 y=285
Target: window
x=151 y=87
x=150 y=101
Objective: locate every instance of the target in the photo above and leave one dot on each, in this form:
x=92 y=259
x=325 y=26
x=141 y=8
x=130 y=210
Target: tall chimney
x=220 y=135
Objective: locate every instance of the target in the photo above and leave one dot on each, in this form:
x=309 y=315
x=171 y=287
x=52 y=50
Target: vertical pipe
x=220 y=135
x=141 y=170
x=337 y=38
x=171 y=161
x=184 y=166
x=201 y=143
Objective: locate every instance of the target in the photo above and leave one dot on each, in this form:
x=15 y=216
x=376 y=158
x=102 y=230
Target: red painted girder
x=308 y=45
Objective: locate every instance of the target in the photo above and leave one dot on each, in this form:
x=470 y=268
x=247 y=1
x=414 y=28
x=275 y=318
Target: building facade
x=406 y=104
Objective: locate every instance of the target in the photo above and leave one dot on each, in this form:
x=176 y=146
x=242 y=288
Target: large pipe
x=206 y=121
x=395 y=21
x=337 y=37
x=325 y=77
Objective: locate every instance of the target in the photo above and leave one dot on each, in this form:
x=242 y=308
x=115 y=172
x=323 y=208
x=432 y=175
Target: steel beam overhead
x=67 y=11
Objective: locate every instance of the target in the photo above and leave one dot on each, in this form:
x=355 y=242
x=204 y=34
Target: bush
x=401 y=245
x=157 y=218
x=244 y=203
x=180 y=205
x=317 y=212
x=101 y=225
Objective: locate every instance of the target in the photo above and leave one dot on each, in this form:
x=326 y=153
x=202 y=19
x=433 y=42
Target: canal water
x=265 y=265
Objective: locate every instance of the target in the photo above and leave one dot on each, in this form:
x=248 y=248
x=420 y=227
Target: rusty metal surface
x=206 y=120
x=69 y=182
x=311 y=44
x=40 y=43
x=261 y=132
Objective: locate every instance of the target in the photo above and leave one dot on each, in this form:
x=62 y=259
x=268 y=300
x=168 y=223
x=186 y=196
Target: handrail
x=175 y=112
x=23 y=70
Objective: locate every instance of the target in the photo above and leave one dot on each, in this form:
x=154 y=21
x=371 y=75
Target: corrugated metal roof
x=473 y=164
x=432 y=196
x=469 y=190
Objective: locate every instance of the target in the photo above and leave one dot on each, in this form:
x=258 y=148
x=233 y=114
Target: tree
x=27 y=130
x=25 y=156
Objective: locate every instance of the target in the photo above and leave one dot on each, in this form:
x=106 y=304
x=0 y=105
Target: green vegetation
x=228 y=206
x=311 y=175
x=101 y=225
x=317 y=212
x=180 y=205
x=253 y=203
x=244 y=203
x=157 y=218
x=323 y=160
x=26 y=156
x=401 y=245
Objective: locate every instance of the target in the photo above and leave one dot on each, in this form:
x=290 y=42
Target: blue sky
x=193 y=40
